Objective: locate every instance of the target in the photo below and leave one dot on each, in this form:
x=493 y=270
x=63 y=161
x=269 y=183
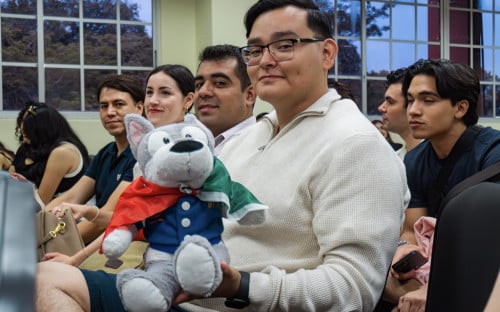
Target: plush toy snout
x=186 y=146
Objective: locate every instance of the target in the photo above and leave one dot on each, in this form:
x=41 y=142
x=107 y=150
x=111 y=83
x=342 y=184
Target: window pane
x=460 y=55
x=434 y=51
x=484 y=5
x=64 y=8
x=18 y=7
x=377 y=57
x=403 y=22
x=139 y=74
x=459 y=27
x=483 y=63
x=375 y=95
x=137 y=45
x=428 y=24
x=354 y=86
x=63 y=88
x=497 y=64
x=349 y=57
x=378 y=23
x=100 y=44
x=459 y=3
x=403 y=54
x=483 y=32
x=136 y=10
x=20 y=84
x=99 y=9
x=348 y=17
x=92 y=80
x=422 y=51
x=62 y=43
x=497 y=102
x=485 y=104
x=497 y=26
x=422 y=24
x=19 y=40
x=428 y=1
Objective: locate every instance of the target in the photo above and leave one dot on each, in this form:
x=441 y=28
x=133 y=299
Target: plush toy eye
x=157 y=140
x=194 y=133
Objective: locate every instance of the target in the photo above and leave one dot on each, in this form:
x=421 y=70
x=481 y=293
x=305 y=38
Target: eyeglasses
x=280 y=50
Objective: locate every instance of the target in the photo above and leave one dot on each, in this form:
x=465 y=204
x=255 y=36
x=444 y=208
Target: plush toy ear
x=137 y=126
x=191 y=119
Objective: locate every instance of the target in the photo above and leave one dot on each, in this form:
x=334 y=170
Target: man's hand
x=228 y=287
x=413 y=301
x=400 y=253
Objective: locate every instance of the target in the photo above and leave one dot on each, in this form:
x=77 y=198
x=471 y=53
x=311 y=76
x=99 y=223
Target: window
x=55 y=51
x=375 y=37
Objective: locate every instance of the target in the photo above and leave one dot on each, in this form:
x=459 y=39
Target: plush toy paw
x=197 y=268
x=116 y=243
x=141 y=295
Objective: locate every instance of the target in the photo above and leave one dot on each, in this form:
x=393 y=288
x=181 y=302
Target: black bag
x=18 y=255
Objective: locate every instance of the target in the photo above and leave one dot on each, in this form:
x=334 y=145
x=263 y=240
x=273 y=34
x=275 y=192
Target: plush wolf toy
x=180 y=201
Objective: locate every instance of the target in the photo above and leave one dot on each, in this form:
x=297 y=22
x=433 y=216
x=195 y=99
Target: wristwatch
x=240 y=300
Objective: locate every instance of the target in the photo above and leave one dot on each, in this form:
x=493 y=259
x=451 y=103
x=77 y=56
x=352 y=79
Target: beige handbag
x=57 y=234
x=133 y=258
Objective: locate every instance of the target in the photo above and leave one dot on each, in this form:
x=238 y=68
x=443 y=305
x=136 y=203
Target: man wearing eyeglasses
x=321 y=167
x=336 y=190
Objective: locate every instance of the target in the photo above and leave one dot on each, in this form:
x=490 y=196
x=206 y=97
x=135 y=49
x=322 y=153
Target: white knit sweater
x=337 y=194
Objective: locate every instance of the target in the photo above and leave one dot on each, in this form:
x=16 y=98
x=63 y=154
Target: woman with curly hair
x=50 y=153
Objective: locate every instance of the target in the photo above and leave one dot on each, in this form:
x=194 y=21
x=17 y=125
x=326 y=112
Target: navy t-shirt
x=423 y=165
x=108 y=171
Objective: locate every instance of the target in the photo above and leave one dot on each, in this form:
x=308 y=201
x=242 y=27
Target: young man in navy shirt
x=441 y=98
x=110 y=171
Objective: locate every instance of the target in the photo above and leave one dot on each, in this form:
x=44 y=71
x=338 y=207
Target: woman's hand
x=18 y=176
x=57 y=257
x=78 y=211
x=414 y=301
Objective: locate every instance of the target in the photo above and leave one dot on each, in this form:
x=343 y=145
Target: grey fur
x=175 y=155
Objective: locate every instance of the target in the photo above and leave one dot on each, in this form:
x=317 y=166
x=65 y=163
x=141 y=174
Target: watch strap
x=240 y=299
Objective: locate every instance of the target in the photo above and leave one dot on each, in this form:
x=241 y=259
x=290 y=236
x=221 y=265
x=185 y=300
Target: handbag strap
x=491 y=173
x=435 y=192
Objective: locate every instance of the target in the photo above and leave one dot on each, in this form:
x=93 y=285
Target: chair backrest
x=17 y=244
x=466 y=254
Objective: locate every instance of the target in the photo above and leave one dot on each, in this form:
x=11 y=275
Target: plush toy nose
x=186 y=146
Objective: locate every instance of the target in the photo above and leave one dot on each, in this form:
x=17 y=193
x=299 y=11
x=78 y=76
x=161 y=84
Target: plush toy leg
x=151 y=290
x=197 y=266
